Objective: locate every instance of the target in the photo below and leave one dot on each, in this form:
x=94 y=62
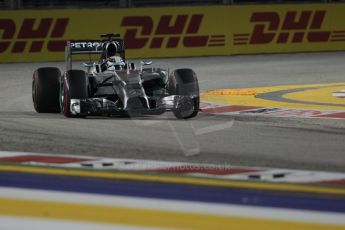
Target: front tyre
x=45 y=90
x=74 y=86
x=184 y=82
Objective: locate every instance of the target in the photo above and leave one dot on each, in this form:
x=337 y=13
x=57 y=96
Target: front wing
x=102 y=106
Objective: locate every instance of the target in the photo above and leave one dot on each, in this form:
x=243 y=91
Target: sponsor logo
x=294 y=27
x=169 y=32
x=33 y=32
x=83 y=45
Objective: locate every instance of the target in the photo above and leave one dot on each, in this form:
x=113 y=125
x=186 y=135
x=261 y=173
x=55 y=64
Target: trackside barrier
x=37 y=35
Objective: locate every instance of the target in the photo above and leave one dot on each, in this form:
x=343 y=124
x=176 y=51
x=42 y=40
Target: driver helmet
x=110 y=49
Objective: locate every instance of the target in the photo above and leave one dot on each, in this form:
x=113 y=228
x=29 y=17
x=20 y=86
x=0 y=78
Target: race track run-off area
x=267 y=150
x=306 y=100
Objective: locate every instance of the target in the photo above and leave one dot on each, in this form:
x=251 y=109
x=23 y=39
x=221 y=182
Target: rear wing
x=75 y=47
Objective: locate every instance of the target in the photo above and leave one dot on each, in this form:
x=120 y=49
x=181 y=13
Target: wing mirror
x=89 y=65
x=146 y=63
x=143 y=63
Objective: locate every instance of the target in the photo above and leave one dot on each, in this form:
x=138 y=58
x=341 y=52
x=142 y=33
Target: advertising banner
x=41 y=35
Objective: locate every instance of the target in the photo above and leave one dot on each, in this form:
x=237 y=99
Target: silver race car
x=113 y=86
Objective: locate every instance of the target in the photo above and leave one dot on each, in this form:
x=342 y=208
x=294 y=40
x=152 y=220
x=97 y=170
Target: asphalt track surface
x=233 y=140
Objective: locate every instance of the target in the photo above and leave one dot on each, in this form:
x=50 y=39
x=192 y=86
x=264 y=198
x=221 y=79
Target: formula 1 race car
x=113 y=86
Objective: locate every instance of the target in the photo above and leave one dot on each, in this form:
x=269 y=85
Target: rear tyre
x=45 y=90
x=184 y=82
x=74 y=86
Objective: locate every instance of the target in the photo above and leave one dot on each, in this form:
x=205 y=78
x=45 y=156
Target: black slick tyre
x=74 y=86
x=184 y=82
x=45 y=90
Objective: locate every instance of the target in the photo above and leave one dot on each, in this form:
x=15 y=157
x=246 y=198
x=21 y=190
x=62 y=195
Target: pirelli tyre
x=74 y=86
x=184 y=82
x=45 y=90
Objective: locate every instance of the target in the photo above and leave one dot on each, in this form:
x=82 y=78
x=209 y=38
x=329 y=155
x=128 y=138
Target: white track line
x=23 y=223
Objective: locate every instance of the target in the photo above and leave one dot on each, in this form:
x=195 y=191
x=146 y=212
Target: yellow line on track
x=231 y=92
x=173 y=179
x=144 y=217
